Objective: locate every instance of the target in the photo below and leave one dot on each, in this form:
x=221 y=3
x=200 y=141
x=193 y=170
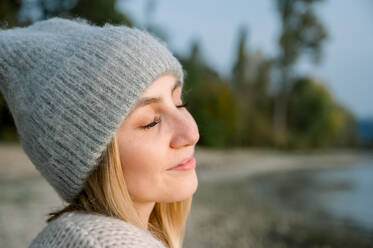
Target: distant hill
x=366 y=130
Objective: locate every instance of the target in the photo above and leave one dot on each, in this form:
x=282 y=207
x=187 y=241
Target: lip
x=188 y=164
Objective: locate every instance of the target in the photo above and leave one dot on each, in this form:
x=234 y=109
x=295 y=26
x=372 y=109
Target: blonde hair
x=106 y=192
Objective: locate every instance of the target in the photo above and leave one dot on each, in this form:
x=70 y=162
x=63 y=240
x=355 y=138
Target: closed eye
x=158 y=119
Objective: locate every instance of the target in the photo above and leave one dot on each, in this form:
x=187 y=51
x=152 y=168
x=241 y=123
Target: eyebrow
x=149 y=100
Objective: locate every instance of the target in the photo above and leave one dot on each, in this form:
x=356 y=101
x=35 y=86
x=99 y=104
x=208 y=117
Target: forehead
x=161 y=85
x=155 y=96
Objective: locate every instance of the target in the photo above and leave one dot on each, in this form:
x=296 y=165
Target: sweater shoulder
x=92 y=230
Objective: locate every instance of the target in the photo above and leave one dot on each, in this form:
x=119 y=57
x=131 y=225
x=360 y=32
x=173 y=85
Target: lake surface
x=345 y=193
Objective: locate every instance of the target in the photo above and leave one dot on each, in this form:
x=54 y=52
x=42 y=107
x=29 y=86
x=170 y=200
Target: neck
x=144 y=210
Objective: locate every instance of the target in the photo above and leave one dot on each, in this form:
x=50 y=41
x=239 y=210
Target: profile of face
x=156 y=136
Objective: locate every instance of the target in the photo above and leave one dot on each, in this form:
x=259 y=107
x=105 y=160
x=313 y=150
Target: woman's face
x=147 y=153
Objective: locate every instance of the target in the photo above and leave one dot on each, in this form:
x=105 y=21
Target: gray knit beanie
x=69 y=84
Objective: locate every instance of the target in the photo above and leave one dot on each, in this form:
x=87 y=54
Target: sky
x=347 y=65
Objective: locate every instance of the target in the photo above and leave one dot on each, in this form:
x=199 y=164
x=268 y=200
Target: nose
x=186 y=131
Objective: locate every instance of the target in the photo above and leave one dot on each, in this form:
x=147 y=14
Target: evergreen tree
x=240 y=75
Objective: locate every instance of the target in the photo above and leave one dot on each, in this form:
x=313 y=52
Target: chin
x=184 y=190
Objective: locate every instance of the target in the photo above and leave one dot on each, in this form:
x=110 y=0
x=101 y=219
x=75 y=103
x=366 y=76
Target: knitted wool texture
x=69 y=84
x=91 y=230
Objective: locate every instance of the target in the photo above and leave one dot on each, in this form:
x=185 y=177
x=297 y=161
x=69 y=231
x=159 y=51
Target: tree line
x=263 y=102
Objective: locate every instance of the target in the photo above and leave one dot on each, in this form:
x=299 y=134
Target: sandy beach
x=215 y=165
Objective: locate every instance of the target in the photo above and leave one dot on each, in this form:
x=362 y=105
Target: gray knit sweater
x=88 y=230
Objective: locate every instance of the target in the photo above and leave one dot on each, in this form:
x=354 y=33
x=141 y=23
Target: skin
x=146 y=154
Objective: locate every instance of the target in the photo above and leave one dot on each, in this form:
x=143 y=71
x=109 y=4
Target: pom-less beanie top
x=69 y=84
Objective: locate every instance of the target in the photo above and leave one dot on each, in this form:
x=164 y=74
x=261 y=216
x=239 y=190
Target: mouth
x=187 y=164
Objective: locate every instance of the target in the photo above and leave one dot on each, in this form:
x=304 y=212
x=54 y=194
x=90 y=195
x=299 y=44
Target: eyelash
x=157 y=120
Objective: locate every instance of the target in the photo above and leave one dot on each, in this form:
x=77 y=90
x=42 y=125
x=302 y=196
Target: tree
x=100 y=12
x=96 y=11
x=250 y=77
x=9 y=10
x=315 y=119
x=301 y=33
x=240 y=75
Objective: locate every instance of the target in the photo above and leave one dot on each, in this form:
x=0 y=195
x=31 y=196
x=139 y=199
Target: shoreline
x=217 y=165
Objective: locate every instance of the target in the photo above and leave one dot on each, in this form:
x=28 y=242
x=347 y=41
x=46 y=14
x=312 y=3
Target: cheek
x=142 y=167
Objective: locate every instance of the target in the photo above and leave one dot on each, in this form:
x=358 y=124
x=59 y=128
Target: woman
x=99 y=112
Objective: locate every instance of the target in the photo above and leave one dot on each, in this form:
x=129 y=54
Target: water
x=357 y=201
x=344 y=193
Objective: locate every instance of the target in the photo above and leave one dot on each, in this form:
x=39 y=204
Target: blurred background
x=282 y=93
